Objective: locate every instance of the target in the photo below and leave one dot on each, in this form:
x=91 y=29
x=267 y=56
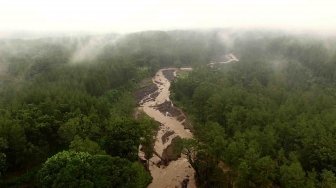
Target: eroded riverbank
x=156 y=104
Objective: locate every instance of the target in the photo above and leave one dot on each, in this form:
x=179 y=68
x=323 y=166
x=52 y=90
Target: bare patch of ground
x=173 y=151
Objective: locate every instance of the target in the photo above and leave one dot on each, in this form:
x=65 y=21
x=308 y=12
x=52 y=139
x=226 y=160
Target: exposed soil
x=154 y=95
x=173 y=151
x=181 y=118
x=169 y=74
x=165 y=136
x=167 y=108
x=187 y=125
x=143 y=94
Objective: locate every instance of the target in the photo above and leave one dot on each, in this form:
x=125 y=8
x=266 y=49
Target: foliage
x=72 y=169
x=267 y=120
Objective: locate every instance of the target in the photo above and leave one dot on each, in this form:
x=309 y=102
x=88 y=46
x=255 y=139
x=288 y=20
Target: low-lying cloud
x=130 y=15
x=89 y=50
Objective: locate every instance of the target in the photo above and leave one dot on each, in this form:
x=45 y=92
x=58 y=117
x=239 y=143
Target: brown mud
x=168 y=167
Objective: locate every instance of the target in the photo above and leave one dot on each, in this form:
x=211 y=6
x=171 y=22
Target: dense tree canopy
x=66 y=108
x=267 y=120
x=72 y=169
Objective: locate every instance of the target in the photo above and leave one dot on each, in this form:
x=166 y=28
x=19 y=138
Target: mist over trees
x=268 y=120
x=76 y=94
x=66 y=116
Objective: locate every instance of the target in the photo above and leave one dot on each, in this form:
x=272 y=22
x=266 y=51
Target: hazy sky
x=135 y=15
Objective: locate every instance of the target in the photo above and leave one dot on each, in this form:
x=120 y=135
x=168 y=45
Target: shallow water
x=176 y=171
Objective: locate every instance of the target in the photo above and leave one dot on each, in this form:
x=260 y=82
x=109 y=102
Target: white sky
x=135 y=15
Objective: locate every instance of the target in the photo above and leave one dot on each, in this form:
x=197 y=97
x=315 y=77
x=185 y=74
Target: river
x=177 y=171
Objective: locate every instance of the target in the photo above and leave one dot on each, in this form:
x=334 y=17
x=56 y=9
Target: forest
x=67 y=105
x=269 y=120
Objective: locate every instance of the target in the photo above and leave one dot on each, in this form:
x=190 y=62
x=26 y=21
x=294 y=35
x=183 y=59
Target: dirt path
x=178 y=171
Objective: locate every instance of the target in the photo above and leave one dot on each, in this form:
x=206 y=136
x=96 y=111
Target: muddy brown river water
x=178 y=170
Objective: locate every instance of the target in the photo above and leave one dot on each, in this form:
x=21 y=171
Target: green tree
x=292 y=175
x=85 y=145
x=122 y=138
x=81 y=169
x=328 y=179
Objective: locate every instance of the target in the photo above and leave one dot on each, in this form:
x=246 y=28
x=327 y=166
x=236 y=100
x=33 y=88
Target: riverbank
x=156 y=103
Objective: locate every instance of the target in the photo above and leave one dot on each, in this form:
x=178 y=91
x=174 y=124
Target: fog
x=131 y=15
x=88 y=51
